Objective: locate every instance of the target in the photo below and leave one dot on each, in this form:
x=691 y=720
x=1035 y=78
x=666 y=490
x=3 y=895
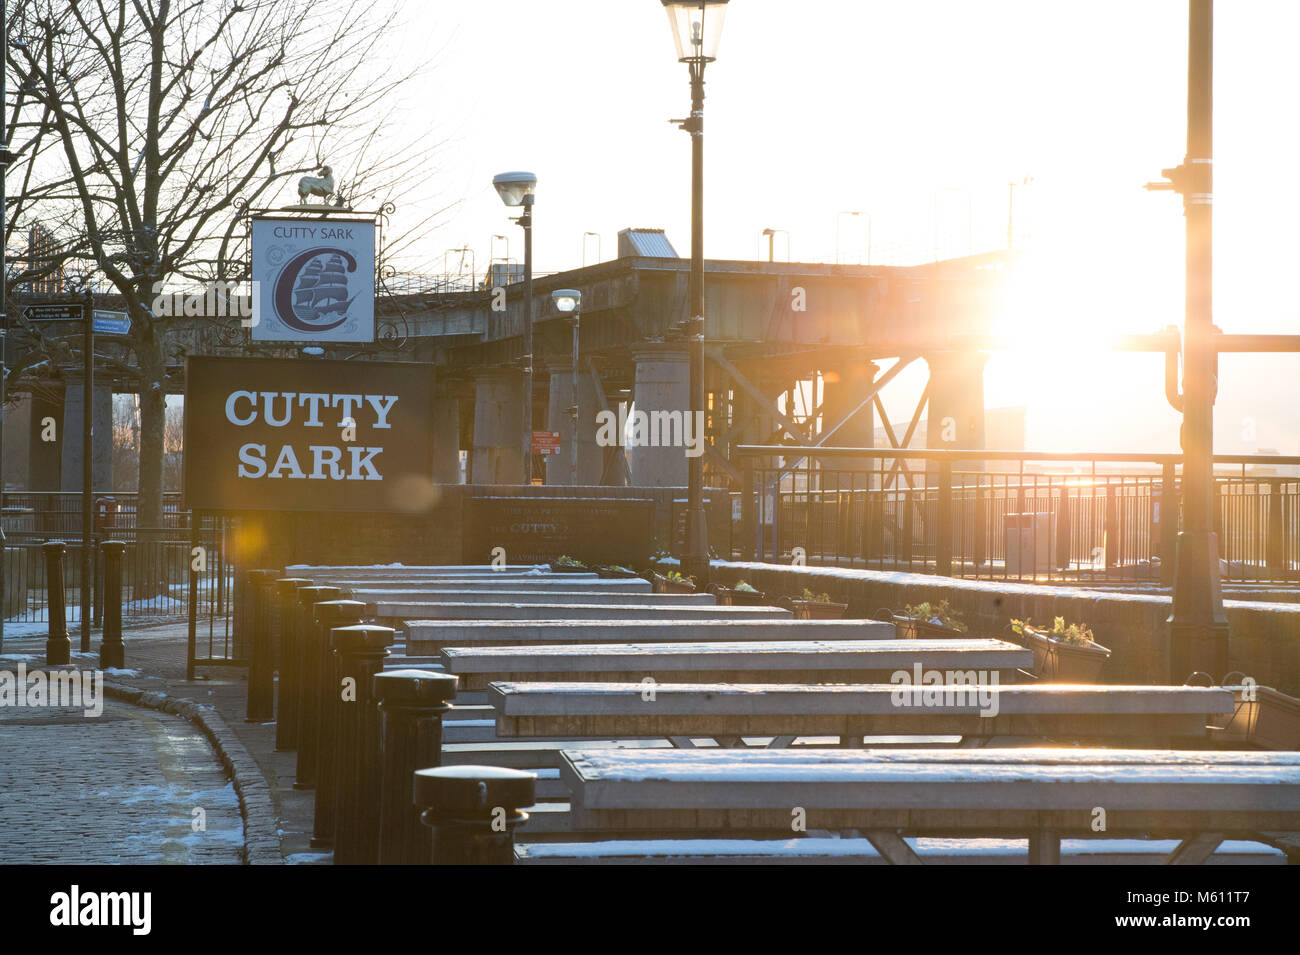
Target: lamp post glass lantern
x=516 y=189
x=697 y=29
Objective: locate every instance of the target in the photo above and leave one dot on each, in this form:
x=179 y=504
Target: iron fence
x=1031 y=516
x=156 y=564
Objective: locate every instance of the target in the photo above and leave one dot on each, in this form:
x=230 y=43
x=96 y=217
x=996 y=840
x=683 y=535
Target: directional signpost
x=71 y=312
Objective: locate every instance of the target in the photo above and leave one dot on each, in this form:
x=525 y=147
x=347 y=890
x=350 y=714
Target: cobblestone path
x=122 y=787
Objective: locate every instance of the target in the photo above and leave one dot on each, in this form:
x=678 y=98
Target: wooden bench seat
x=421 y=616
x=776 y=661
x=1200 y=798
x=435 y=635
x=828 y=851
x=729 y=711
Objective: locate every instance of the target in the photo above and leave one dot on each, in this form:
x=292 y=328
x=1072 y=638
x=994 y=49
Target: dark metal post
x=472 y=812
x=411 y=705
x=112 y=652
x=1111 y=532
x=526 y=221
x=261 y=663
x=1168 y=522
x=1275 y=549
x=360 y=650
x=316 y=737
x=286 y=707
x=943 y=535
x=58 y=648
x=87 y=465
x=748 y=511
x=695 y=560
x=1063 y=528
x=1198 y=624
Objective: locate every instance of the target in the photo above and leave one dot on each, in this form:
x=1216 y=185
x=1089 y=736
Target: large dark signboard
x=306 y=434
x=609 y=531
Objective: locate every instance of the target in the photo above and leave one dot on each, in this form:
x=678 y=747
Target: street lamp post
x=1198 y=631
x=516 y=189
x=697 y=28
x=569 y=301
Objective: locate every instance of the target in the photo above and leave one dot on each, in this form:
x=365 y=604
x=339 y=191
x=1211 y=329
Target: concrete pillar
x=44 y=458
x=846 y=387
x=102 y=431
x=662 y=385
x=559 y=467
x=955 y=417
x=497 y=441
x=446 y=439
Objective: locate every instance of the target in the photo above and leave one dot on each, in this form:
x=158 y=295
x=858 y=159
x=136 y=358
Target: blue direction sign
x=111 y=323
x=53 y=313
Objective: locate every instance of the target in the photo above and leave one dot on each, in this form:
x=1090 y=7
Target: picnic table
x=771 y=661
x=727 y=712
x=428 y=636
x=1200 y=798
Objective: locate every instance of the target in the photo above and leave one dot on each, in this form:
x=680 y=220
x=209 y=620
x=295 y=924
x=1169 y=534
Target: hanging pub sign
x=313 y=279
x=307 y=435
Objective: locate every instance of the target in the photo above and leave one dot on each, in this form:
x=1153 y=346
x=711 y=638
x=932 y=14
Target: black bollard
x=322 y=752
x=58 y=648
x=112 y=652
x=287 y=688
x=298 y=621
x=360 y=650
x=313 y=642
x=411 y=705
x=472 y=812
x=261 y=663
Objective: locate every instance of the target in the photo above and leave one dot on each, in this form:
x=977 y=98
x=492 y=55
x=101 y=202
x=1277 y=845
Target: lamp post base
x=695 y=558
x=1198 y=627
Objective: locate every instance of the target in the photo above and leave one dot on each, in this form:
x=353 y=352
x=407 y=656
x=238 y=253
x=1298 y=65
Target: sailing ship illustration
x=322 y=288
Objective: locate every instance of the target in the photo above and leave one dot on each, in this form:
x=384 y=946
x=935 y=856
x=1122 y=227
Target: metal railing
x=1018 y=515
x=156 y=563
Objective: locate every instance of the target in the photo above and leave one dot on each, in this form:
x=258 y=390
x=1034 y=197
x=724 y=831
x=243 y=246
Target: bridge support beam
x=662 y=385
x=73 y=411
x=559 y=467
x=44 y=458
x=497 y=441
x=846 y=387
x=446 y=439
x=956 y=416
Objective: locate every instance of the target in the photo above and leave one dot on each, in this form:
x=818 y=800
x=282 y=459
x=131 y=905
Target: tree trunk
x=151 y=577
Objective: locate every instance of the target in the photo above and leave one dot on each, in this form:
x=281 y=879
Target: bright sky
x=916 y=113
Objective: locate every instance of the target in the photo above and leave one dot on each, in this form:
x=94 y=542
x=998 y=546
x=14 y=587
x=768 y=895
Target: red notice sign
x=546 y=442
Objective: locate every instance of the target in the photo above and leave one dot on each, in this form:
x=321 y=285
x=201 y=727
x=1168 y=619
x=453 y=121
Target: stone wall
x=1265 y=637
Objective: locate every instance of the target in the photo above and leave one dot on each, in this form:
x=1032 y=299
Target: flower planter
x=1271 y=720
x=728 y=597
x=666 y=585
x=817 y=610
x=568 y=569
x=914 y=628
x=1057 y=662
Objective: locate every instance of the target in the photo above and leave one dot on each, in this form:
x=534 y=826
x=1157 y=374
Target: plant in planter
x=672 y=582
x=928 y=619
x=615 y=571
x=564 y=564
x=741 y=595
x=813 y=606
x=1065 y=653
